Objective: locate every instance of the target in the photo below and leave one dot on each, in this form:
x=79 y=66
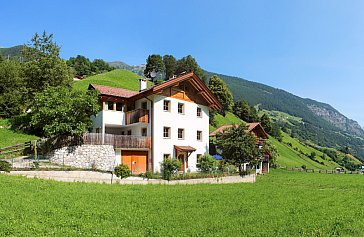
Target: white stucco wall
x=187 y=121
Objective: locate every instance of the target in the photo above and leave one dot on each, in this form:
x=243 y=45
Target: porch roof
x=184 y=148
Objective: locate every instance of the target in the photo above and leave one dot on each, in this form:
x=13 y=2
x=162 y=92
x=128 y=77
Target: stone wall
x=100 y=157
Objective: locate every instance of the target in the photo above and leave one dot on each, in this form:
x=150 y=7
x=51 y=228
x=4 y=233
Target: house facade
x=169 y=120
x=260 y=136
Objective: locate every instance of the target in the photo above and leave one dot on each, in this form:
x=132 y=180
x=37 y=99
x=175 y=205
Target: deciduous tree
x=43 y=67
x=58 y=111
x=222 y=93
x=154 y=62
x=170 y=64
x=238 y=147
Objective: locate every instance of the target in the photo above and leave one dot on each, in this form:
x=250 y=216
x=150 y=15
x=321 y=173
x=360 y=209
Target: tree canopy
x=245 y=112
x=222 y=93
x=43 y=67
x=12 y=90
x=170 y=64
x=154 y=62
x=58 y=111
x=237 y=146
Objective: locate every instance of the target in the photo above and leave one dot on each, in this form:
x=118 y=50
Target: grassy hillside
x=279 y=204
x=294 y=155
x=230 y=118
x=116 y=78
x=9 y=137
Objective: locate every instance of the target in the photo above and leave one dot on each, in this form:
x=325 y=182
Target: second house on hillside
x=168 y=120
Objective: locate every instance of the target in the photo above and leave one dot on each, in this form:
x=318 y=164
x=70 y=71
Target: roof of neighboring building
x=112 y=91
x=196 y=82
x=250 y=127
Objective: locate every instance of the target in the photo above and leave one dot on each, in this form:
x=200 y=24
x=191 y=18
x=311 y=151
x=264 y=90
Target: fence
x=323 y=171
x=15 y=148
x=118 y=141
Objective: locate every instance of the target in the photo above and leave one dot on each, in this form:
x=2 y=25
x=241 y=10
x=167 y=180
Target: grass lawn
x=279 y=204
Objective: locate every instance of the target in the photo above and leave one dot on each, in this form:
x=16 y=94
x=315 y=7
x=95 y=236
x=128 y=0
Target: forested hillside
x=319 y=121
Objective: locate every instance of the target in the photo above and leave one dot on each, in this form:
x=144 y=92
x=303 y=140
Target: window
x=144 y=132
x=199 y=135
x=144 y=105
x=166 y=105
x=181 y=133
x=166 y=156
x=199 y=112
x=110 y=105
x=97 y=130
x=166 y=132
x=119 y=107
x=181 y=108
x=129 y=132
x=122 y=132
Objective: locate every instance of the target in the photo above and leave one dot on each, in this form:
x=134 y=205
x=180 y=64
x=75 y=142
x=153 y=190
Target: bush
x=229 y=168
x=207 y=163
x=169 y=166
x=5 y=166
x=122 y=171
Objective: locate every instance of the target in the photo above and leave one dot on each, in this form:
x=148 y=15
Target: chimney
x=142 y=84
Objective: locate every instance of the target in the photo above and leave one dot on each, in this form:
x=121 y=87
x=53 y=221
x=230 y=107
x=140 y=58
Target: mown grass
x=119 y=78
x=279 y=204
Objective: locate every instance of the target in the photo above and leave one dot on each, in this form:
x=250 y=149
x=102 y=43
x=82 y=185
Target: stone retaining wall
x=100 y=157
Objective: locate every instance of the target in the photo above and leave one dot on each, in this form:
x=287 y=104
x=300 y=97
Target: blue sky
x=311 y=48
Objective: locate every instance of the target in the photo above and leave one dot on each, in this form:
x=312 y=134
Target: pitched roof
x=195 y=81
x=222 y=129
x=112 y=91
x=184 y=148
x=250 y=127
x=200 y=86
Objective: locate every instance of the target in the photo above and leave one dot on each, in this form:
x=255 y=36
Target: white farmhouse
x=169 y=120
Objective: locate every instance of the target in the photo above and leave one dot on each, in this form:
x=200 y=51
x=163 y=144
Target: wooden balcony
x=137 y=116
x=118 y=141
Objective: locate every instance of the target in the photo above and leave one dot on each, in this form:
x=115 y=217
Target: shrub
x=122 y=171
x=229 y=168
x=5 y=166
x=169 y=166
x=207 y=163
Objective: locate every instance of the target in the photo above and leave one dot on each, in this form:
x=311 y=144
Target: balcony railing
x=118 y=141
x=137 y=116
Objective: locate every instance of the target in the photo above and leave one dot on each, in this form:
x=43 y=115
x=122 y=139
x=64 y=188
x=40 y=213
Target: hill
x=120 y=78
x=12 y=52
x=139 y=69
x=320 y=122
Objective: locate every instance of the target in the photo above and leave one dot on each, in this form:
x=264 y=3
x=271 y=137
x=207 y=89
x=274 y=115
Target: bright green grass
x=116 y=78
x=9 y=137
x=229 y=118
x=279 y=204
x=307 y=150
x=4 y=122
x=288 y=157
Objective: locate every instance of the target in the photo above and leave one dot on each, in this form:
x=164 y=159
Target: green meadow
x=279 y=204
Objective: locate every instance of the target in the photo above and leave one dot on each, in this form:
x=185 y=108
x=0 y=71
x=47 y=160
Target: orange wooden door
x=135 y=160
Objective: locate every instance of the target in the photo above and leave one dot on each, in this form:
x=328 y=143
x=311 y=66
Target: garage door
x=136 y=160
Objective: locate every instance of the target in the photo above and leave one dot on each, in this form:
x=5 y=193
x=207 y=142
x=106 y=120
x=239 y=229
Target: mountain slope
x=321 y=123
x=12 y=52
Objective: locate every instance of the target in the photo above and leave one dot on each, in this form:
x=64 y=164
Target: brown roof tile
x=112 y=91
